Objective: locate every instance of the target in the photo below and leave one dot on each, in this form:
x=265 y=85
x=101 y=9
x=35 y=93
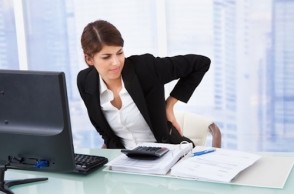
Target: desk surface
x=117 y=183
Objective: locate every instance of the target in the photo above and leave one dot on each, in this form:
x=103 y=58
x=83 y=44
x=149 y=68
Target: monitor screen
x=35 y=129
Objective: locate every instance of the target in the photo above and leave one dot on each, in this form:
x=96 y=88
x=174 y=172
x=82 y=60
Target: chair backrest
x=197 y=128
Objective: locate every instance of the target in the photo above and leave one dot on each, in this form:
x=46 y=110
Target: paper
x=218 y=166
x=269 y=171
x=158 y=166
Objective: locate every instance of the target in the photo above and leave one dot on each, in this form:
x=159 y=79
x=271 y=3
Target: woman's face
x=109 y=62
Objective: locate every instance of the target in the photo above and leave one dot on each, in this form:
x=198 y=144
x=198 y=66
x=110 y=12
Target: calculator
x=145 y=152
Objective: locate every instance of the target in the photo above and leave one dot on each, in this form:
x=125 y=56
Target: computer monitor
x=35 y=129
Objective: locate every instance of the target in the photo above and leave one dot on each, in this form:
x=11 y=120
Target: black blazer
x=144 y=77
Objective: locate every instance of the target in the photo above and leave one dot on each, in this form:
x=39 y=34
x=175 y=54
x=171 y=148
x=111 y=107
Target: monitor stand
x=4 y=185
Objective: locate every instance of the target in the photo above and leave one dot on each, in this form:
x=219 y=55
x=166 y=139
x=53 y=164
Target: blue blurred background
x=248 y=91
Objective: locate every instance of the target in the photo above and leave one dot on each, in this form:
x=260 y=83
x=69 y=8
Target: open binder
x=160 y=166
x=219 y=166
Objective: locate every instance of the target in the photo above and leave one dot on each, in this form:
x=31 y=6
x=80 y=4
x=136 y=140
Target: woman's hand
x=170 y=102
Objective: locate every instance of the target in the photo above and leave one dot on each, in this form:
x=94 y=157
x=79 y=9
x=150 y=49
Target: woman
x=125 y=96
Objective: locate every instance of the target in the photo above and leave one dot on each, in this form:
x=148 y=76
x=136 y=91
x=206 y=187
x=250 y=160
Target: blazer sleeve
x=189 y=69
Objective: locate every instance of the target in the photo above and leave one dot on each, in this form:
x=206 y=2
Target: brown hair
x=97 y=34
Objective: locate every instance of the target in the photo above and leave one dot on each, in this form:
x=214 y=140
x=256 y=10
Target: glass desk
x=118 y=183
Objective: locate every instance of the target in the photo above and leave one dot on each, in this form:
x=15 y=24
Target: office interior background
x=248 y=91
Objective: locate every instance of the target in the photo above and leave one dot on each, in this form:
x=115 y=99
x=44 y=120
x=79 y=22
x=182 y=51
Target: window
x=246 y=86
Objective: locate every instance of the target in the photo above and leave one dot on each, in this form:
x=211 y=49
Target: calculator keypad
x=146 y=152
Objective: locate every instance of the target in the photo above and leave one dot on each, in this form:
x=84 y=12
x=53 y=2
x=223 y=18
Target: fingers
x=177 y=126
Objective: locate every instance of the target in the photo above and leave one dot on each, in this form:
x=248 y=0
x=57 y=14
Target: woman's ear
x=89 y=60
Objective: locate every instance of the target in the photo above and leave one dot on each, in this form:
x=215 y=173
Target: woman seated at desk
x=125 y=97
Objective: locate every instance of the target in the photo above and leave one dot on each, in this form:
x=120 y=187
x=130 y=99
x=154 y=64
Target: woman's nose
x=115 y=60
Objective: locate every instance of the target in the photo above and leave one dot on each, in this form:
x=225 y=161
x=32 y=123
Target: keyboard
x=145 y=152
x=87 y=163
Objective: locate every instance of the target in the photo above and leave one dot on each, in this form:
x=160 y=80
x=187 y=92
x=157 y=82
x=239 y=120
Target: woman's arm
x=170 y=103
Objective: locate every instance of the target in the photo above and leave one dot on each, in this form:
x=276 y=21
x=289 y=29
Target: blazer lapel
x=132 y=85
x=92 y=89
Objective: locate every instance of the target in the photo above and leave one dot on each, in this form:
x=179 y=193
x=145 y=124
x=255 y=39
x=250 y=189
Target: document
x=159 y=166
x=220 y=165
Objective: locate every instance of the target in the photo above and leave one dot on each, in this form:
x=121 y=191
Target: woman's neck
x=114 y=85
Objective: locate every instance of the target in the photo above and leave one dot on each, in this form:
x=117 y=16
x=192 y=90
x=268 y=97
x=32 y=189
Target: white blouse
x=126 y=122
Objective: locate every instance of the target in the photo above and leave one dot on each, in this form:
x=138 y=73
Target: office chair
x=197 y=128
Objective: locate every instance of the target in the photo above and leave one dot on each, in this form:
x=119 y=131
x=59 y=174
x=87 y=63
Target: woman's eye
x=106 y=57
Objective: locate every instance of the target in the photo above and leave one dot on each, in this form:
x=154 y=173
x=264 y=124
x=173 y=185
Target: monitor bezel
x=54 y=146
